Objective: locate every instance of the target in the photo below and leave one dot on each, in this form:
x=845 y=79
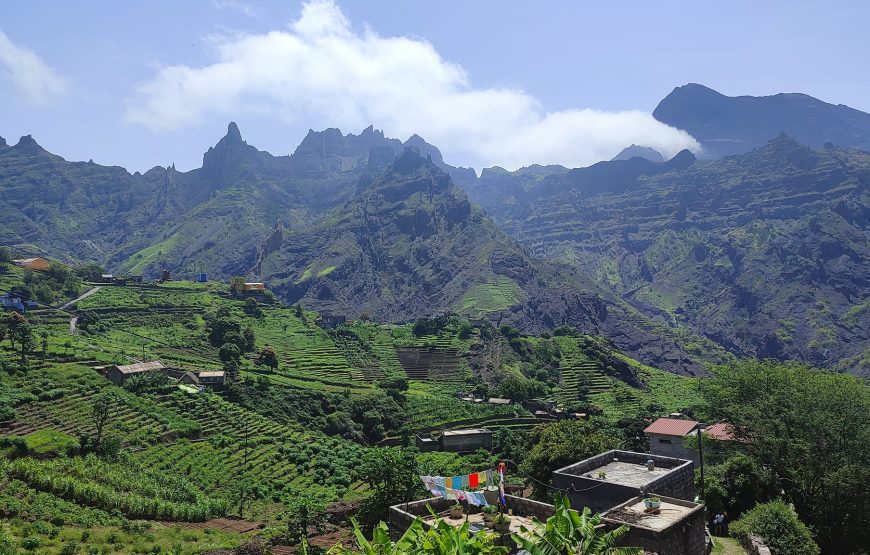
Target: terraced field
x=66 y=407
x=436 y=359
x=239 y=443
x=576 y=370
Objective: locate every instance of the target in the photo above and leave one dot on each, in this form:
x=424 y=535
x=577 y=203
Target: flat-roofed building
x=611 y=478
x=676 y=527
x=466 y=441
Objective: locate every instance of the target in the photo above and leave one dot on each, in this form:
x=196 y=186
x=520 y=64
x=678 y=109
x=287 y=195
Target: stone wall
x=755 y=546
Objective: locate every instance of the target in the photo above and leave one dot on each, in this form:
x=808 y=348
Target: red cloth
x=472 y=480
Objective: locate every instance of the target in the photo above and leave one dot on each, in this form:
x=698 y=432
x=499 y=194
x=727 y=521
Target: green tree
x=778 y=525
x=557 y=445
x=219 y=326
x=302 y=514
x=102 y=406
x=249 y=340
x=810 y=430
x=736 y=484
x=267 y=357
x=44 y=341
x=252 y=308
x=229 y=352
x=569 y=532
x=391 y=475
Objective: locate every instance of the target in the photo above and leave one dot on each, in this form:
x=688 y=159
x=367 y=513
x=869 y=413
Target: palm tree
x=568 y=532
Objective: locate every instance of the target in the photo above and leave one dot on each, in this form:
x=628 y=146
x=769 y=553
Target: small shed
x=212 y=377
x=499 y=401
x=466 y=441
x=201 y=277
x=190 y=378
x=118 y=374
x=36 y=263
x=330 y=321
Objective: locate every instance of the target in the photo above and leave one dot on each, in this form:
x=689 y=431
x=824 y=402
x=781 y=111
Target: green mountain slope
x=765 y=253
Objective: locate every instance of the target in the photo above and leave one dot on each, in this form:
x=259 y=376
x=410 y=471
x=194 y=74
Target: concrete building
x=427 y=444
x=614 y=477
x=667 y=438
x=11 y=302
x=466 y=441
x=214 y=378
x=677 y=527
x=119 y=374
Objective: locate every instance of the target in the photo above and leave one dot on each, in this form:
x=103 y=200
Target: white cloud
x=28 y=72
x=319 y=72
x=235 y=5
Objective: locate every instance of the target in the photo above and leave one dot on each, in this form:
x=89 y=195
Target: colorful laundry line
x=436 y=486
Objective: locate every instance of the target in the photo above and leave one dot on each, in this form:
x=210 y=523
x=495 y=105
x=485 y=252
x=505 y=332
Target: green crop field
x=298 y=426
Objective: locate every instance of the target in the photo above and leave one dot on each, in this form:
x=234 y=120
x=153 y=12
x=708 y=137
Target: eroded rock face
x=764 y=253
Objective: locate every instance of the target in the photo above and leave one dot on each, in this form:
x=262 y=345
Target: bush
x=778 y=525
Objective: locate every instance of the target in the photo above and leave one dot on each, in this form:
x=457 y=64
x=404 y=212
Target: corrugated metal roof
x=141 y=367
x=671 y=427
x=212 y=374
x=720 y=431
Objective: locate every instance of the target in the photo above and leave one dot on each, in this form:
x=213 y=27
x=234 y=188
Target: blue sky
x=508 y=83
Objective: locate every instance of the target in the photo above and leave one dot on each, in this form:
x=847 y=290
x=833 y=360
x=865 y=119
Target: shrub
x=777 y=524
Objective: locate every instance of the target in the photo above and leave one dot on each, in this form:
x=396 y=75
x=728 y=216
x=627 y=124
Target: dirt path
x=727 y=546
x=74 y=320
x=84 y=295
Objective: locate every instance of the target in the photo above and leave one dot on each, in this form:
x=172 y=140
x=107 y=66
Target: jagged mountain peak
x=638 y=151
x=3 y=142
x=332 y=142
x=233 y=133
x=426 y=149
x=28 y=144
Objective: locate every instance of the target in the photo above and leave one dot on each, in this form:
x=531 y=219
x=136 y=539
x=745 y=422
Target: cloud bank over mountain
x=321 y=72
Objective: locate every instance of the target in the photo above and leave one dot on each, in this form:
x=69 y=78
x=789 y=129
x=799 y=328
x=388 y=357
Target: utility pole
x=701 y=461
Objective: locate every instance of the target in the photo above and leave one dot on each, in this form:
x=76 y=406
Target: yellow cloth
x=448 y=482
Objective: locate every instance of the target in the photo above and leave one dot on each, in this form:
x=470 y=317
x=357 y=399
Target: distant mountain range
x=761 y=254
x=727 y=125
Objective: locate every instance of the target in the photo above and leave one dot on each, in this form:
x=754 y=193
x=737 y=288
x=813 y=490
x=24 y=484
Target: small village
x=648 y=499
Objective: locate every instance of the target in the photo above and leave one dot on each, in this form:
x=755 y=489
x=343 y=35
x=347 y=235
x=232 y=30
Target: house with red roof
x=667 y=435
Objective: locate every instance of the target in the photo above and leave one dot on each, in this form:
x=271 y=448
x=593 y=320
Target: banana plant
x=569 y=532
x=441 y=539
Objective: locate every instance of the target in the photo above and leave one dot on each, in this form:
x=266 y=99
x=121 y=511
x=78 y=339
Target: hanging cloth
x=473 y=480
